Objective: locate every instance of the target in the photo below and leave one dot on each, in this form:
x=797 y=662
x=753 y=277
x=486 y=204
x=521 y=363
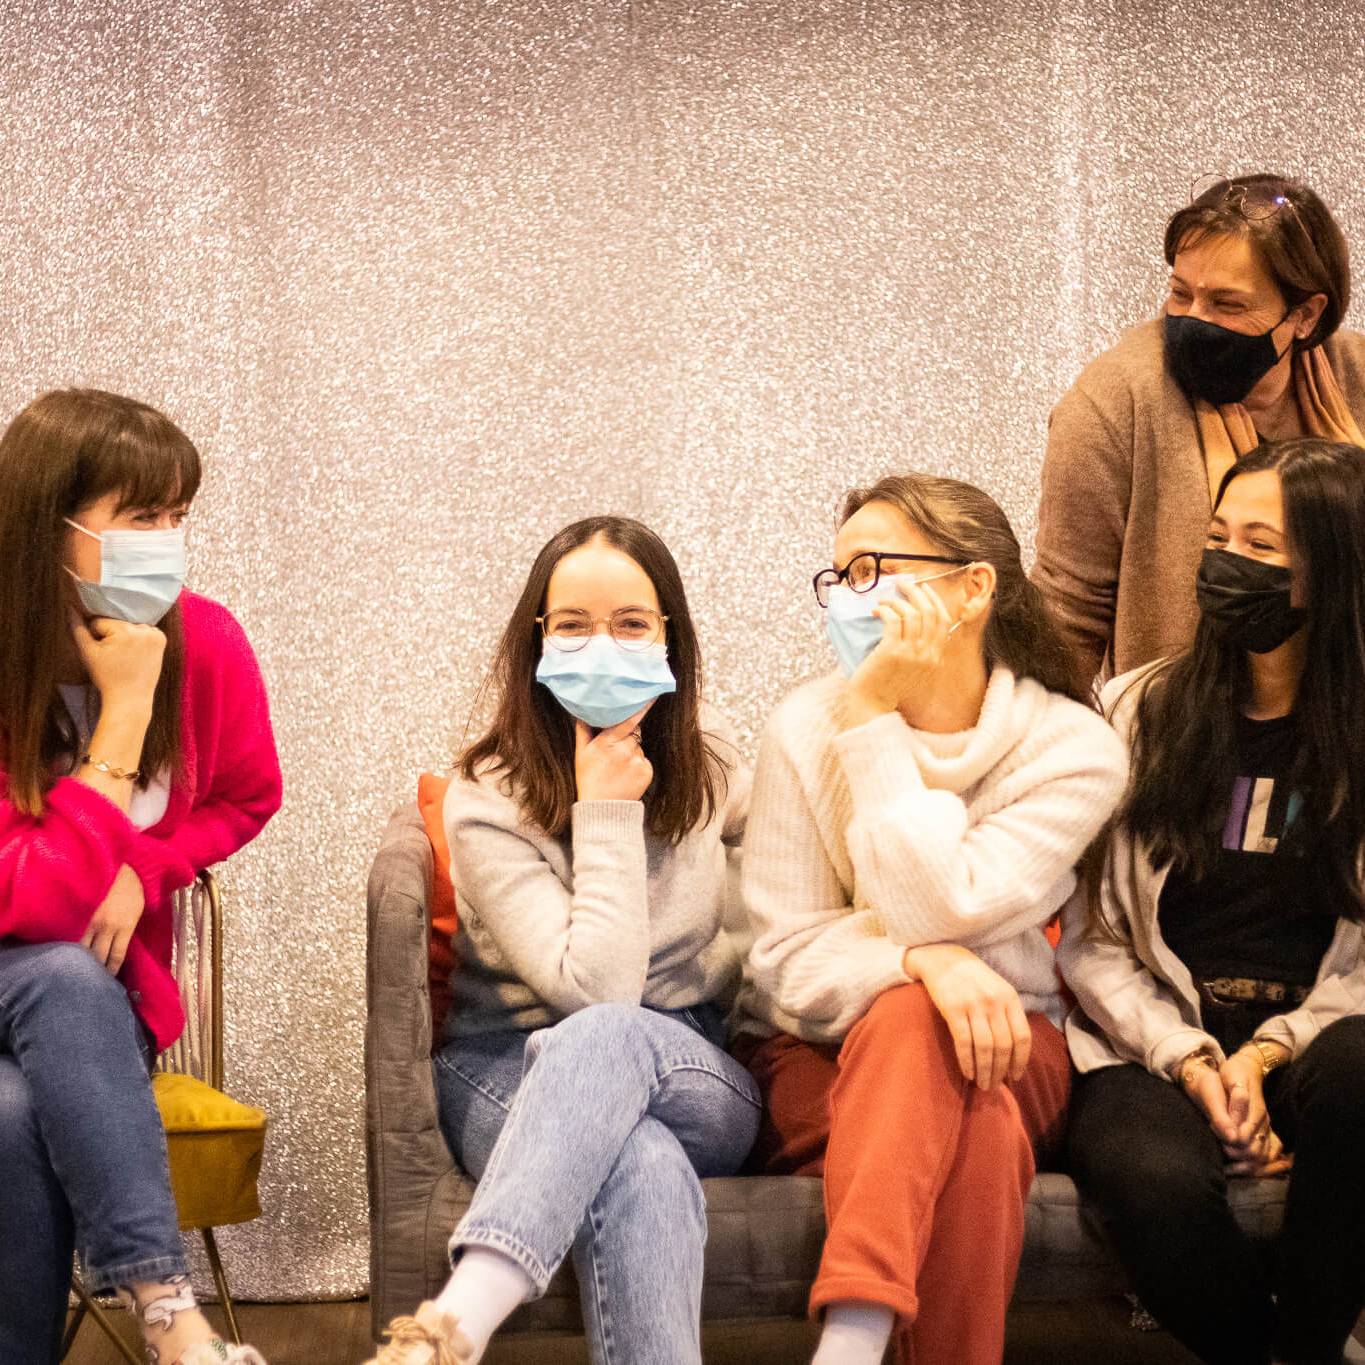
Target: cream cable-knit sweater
x=863 y=843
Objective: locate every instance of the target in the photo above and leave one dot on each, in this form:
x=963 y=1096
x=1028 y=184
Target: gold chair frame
x=198 y=1052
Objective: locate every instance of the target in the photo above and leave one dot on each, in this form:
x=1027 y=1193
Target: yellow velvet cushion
x=215 y=1146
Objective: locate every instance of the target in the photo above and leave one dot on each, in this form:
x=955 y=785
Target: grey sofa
x=765 y=1231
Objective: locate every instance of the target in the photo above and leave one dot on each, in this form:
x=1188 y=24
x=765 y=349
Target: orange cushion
x=431 y=794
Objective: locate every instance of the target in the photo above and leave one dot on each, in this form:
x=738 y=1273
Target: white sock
x=855 y=1334
x=482 y=1292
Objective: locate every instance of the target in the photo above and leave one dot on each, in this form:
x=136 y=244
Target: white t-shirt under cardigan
x=866 y=842
x=605 y=914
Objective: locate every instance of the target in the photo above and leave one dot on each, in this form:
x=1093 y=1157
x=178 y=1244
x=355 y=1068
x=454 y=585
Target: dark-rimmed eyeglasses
x=631 y=627
x=863 y=572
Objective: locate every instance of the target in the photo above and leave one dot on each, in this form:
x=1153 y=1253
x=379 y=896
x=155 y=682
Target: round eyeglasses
x=631 y=627
x=863 y=572
x=1255 y=203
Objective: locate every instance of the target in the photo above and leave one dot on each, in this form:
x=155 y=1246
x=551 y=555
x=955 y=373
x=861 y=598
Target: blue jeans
x=82 y=1148
x=590 y=1138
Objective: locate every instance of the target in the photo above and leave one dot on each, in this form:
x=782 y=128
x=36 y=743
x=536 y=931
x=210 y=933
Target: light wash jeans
x=590 y=1138
x=82 y=1148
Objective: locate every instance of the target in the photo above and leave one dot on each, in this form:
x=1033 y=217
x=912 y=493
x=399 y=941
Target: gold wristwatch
x=1271 y=1053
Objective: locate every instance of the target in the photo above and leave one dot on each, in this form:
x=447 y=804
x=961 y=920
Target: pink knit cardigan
x=56 y=868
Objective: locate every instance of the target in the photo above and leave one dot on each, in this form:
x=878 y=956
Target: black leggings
x=1145 y=1155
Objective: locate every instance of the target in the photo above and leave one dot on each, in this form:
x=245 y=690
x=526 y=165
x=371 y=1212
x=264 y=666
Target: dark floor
x=338 y=1334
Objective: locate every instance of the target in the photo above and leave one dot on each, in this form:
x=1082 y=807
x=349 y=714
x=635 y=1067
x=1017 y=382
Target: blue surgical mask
x=852 y=629
x=141 y=574
x=603 y=684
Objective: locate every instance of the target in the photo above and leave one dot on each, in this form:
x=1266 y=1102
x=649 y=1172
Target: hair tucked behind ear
x=964 y=522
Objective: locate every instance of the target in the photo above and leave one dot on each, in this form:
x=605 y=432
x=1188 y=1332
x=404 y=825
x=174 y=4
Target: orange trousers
x=926 y=1175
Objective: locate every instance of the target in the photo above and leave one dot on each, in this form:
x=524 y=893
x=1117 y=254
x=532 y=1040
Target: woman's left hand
x=112 y=925
x=915 y=631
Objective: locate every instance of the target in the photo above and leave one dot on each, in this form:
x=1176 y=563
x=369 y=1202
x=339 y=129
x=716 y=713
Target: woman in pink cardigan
x=135 y=750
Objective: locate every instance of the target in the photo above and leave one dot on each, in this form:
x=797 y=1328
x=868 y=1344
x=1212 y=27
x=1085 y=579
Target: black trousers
x=1145 y=1155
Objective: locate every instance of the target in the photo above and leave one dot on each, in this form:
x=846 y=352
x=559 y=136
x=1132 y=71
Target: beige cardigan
x=1136 y=999
x=1125 y=501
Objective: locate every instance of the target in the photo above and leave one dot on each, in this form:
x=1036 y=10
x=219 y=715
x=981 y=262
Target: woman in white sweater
x=583 y=1078
x=1219 y=967
x=916 y=820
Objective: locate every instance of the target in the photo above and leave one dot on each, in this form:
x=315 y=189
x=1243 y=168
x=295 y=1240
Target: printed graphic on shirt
x=1260 y=813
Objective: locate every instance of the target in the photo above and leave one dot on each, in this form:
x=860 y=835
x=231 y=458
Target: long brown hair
x=530 y=741
x=1185 y=725
x=63 y=451
x=966 y=523
x=1292 y=231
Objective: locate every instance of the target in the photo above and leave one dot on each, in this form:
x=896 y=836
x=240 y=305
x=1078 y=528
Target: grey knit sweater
x=604 y=914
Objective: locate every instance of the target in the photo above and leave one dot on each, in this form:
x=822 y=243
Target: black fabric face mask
x=1215 y=363
x=1246 y=601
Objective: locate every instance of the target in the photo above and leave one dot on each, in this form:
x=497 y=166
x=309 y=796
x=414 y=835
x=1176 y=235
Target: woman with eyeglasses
x=1219 y=966
x=916 y=820
x=135 y=751
x=583 y=1078
x=1249 y=347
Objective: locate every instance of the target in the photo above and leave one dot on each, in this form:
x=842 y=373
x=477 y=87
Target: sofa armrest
x=406 y=1155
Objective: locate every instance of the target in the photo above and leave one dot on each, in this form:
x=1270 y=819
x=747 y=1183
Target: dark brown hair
x=531 y=738
x=1185 y=726
x=964 y=522
x=1291 y=230
x=65 y=450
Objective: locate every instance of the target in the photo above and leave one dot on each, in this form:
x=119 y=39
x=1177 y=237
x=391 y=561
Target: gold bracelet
x=102 y=766
x=1199 y=1057
x=1269 y=1060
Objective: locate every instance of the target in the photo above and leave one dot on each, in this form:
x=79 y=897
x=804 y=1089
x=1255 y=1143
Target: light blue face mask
x=852 y=629
x=603 y=684
x=141 y=574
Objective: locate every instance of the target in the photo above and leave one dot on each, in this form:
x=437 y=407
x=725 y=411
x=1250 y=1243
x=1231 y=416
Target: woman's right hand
x=915 y=632
x=983 y=1012
x=123 y=660
x=611 y=765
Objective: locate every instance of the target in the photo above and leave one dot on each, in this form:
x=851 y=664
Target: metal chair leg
x=220 y=1279
x=72 y=1331
x=88 y=1305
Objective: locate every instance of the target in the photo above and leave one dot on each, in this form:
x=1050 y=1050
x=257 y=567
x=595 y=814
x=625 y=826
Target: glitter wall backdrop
x=426 y=281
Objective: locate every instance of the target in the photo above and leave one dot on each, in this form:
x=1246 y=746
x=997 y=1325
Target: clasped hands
x=1233 y=1100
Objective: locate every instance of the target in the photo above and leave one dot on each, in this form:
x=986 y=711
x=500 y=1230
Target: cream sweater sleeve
x=932 y=875
x=813 y=955
x=574 y=948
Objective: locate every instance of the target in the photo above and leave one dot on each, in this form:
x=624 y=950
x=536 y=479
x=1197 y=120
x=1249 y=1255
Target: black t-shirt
x=1260 y=912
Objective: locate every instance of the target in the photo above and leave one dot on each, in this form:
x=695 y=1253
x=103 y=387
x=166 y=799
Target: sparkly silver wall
x=428 y=280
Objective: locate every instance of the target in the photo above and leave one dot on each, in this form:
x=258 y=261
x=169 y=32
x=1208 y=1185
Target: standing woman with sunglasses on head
x=916 y=820
x=583 y=1079
x=135 y=751
x=1250 y=347
x=1218 y=965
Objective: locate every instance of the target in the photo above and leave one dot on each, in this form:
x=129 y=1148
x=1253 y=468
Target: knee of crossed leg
x=902 y=1016
x=606 y=1031
x=71 y=985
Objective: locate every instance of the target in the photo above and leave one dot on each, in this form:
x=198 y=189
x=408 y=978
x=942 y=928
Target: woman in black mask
x=1249 y=348
x=1217 y=960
